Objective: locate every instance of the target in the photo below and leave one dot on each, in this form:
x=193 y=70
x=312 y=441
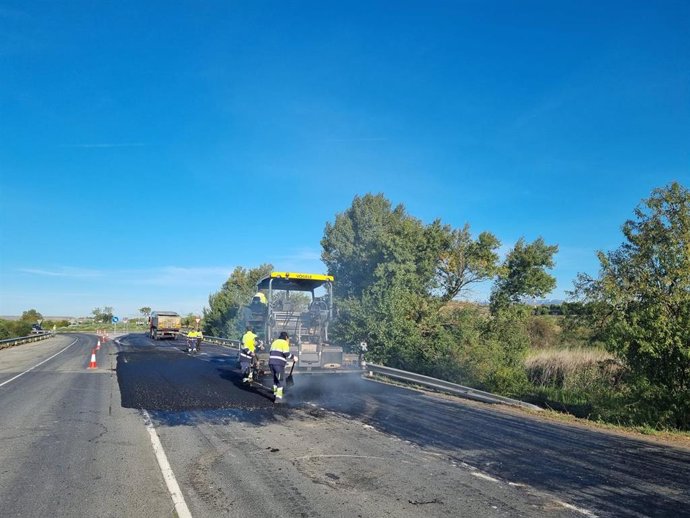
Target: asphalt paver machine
x=302 y=305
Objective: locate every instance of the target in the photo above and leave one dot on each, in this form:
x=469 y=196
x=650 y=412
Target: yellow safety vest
x=249 y=341
x=280 y=345
x=280 y=352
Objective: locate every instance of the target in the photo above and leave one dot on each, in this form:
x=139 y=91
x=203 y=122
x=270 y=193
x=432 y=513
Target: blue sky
x=147 y=148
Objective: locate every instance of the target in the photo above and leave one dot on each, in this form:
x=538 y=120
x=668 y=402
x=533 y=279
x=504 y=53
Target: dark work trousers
x=246 y=360
x=278 y=371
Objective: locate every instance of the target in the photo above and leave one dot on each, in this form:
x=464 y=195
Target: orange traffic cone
x=92 y=363
x=98 y=346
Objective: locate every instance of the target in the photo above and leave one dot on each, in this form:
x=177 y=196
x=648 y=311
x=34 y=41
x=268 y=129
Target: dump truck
x=306 y=319
x=164 y=324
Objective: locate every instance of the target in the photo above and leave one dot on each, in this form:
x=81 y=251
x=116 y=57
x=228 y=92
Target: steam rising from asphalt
x=333 y=390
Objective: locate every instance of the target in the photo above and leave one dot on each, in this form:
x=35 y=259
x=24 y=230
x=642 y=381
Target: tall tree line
x=395 y=275
x=397 y=280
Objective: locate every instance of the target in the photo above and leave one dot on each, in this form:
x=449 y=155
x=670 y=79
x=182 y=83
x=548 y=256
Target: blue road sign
x=115 y=320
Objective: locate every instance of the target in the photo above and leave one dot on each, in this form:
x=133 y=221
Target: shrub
x=543 y=331
x=4 y=330
x=487 y=351
x=14 y=328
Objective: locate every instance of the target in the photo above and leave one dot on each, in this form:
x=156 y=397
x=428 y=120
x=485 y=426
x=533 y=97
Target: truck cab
x=164 y=324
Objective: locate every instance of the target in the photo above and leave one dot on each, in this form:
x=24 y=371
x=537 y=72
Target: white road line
x=38 y=364
x=173 y=488
x=590 y=514
x=309 y=457
x=476 y=473
x=484 y=476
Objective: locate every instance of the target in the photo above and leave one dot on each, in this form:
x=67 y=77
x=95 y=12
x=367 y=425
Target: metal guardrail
x=11 y=342
x=411 y=377
x=446 y=386
x=225 y=342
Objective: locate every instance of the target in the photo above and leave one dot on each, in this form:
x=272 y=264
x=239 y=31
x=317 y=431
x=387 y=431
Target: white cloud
x=163 y=275
x=65 y=271
x=105 y=145
x=75 y=291
x=178 y=275
x=357 y=139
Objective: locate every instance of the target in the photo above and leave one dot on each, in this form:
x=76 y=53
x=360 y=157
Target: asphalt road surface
x=79 y=442
x=67 y=447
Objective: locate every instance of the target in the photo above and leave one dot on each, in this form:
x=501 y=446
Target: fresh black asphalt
x=613 y=475
x=610 y=475
x=162 y=376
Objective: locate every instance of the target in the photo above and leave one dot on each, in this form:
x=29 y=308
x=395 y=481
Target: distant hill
x=544 y=302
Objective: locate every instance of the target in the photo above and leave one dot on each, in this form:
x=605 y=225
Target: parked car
x=36 y=329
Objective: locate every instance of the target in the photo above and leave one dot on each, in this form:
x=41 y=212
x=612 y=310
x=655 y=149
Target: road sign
x=115 y=320
x=125 y=320
x=197 y=320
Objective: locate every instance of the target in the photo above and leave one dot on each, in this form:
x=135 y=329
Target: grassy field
x=572 y=380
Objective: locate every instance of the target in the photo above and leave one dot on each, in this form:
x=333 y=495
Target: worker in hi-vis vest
x=247 y=354
x=278 y=358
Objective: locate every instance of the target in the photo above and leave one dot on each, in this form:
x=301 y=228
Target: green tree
x=642 y=300
x=395 y=277
x=384 y=262
x=190 y=320
x=523 y=274
x=506 y=338
x=401 y=327
x=145 y=311
x=507 y=334
x=543 y=331
x=372 y=241
x=32 y=316
x=221 y=318
x=465 y=261
x=104 y=315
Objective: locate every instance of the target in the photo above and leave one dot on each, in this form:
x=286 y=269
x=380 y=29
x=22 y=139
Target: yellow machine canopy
x=293 y=281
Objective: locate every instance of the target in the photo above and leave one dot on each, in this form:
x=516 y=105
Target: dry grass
x=570 y=368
